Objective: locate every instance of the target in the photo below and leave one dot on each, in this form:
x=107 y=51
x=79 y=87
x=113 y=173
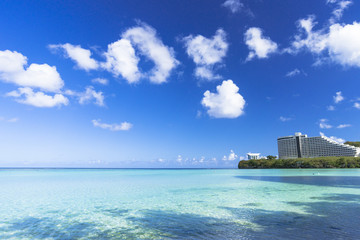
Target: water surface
x=179 y=204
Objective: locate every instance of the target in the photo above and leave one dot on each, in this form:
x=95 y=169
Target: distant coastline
x=320 y=162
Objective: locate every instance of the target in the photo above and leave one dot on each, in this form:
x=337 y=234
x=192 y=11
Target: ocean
x=179 y=204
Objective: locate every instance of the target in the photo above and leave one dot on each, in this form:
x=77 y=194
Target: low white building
x=302 y=146
x=251 y=156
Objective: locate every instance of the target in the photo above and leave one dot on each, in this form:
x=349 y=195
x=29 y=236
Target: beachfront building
x=302 y=146
x=252 y=156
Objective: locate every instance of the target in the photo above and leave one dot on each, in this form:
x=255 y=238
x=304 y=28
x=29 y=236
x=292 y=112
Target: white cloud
x=205 y=72
x=344 y=126
x=259 y=46
x=145 y=39
x=179 y=159
x=161 y=160
x=344 y=44
x=102 y=81
x=10 y=120
x=293 y=73
x=206 y=53
x=330 y=108
x=91 y=94
x=336 y=139
x=121 y=60
x=231 y=157
x=88 y=95
x=314 y=41
x=226 y=102
x=323 y=124
x=81 y=56
x=233 y=5
x=285 y=119
x=338 y=11
x=124 y=126
x=338 y=97
x=338 y=43
x=40 y=76
x=357 y=105
x=26 y=95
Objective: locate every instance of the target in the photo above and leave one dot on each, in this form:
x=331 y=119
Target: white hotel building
x=302 y=146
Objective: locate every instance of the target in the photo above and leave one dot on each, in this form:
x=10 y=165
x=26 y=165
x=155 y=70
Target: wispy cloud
x=102 y=81
x=10 y=120
x=330 y=108
x=285 y=119
x=124 y=126
x=295 y=72
x=323 y=124
x=344 y=126
x=233 y=5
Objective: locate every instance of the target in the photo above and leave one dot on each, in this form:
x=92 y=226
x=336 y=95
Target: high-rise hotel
x=302 y=146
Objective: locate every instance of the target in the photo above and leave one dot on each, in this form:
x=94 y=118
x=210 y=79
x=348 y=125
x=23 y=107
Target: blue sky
x=173 y=83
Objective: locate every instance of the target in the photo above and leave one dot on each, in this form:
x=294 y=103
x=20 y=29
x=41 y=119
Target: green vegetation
x=355 y=144
x=271 y=157
x=320 y=162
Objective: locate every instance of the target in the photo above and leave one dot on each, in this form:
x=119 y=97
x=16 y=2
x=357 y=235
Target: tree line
x=320 y=162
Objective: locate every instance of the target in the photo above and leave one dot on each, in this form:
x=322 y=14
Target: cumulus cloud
x=323 y=124
x=102 y=81
x=330 y=108
x=338 y=97
x=285 y=119
x=338 y=43
x=231 y=157
x=206 y=53
x=357 y=105
x=124 y=126
x=43 y=76
x=259 y=46
x=81 y=56
x=145 y=39
x=344 y=126
x=121 y=60
x=233 y=5
x=226 y=102
x=343 y=44
x=27 y=96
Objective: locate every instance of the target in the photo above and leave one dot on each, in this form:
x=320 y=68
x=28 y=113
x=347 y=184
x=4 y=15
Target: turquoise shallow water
x=179 y=204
